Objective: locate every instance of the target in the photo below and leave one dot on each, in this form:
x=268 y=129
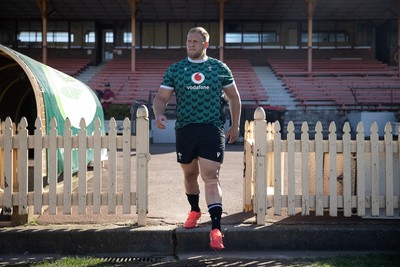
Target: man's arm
x=111 y=98
x=159 y=104
x=235 y=107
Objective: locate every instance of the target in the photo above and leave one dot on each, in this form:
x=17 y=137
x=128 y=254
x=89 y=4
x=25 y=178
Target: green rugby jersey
x=198 y=89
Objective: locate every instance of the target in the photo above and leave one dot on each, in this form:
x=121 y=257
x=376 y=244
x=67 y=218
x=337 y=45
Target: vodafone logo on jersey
x=198 y=77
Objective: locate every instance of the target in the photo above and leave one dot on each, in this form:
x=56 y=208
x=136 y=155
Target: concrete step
x=171 y=240
x=89 y=73
x=278 y=95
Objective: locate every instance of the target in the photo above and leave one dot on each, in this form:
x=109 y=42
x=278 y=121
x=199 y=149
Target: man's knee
x=210 y=175
x=191 y=175
x=191 y=170
x=210 y=181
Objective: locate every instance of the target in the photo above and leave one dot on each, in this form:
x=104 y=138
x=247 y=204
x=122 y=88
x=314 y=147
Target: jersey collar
x=198 y=60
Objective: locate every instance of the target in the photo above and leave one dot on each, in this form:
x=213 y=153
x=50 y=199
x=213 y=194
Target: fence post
x=8 y=167
x=53 y=166
x=67 y=138
x=360 y=170
x=142 y=159
x=277 y=169
x=333 y=198
x=389 y=170
x=38 y=167
x=290 y=169
x=126 y=150
x=112 y=166
x=248 y=168
x=82 y=173
x=347 y=205
x=319 y=170
x=97 y=165
x=260 y=149
x=374 y=170
x=305 y=200
x=23 y=171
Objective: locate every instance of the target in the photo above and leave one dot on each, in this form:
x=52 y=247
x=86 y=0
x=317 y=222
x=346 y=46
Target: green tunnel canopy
x=31 y=89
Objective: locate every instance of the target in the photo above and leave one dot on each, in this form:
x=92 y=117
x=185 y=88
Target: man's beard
x=196 y=54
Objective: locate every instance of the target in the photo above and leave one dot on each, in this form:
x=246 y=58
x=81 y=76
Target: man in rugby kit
x=200 y=84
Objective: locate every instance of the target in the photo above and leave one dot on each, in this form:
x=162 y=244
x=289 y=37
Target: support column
x=133 y=31
x=221 y=29
x=43 y=8
x=311 y=9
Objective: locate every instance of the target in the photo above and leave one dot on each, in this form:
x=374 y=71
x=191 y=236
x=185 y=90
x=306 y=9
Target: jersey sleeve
x=167 y=81
x=228 y=76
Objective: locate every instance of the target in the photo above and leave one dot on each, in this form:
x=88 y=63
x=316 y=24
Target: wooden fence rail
x=14 y=179
x=348 y=176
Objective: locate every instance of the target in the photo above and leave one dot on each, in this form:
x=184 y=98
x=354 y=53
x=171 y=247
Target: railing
x=14 y=150
x=388 y=96
x=336 y=176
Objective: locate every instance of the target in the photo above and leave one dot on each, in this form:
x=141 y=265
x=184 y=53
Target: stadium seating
x=252 y=92
x=346 y=84
x=72 y=67
x=130 y=87
x=332 y=67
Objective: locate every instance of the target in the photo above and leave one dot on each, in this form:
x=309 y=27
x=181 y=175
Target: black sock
x=194 y=202
x=215 y=211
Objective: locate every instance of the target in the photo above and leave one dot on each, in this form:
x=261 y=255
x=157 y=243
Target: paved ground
x=167 y=200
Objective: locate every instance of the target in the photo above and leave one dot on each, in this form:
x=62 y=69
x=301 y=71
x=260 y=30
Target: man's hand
x=161 y=121
x=233 y=134
x=160 y=101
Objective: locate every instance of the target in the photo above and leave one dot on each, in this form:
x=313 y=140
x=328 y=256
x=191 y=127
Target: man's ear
x=206 y=44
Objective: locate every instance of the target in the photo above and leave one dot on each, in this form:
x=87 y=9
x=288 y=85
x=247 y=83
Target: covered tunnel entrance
x=19 y=97
x=31 y=89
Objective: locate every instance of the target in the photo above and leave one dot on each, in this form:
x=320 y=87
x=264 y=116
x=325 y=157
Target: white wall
x=166 y=136
x=367 y=118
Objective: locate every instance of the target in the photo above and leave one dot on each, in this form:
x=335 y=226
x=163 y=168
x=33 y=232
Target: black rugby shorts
x=199 y=140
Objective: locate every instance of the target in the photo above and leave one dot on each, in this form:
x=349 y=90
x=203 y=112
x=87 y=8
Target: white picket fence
x=320 y=175
x=14 y=147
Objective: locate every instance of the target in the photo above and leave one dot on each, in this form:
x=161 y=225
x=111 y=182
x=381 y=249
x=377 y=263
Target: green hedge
x=118 y=111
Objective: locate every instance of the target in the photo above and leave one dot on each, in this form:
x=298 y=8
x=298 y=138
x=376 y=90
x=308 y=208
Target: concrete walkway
x=167 y=199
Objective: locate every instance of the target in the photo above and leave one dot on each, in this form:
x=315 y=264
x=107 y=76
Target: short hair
x=202 y=31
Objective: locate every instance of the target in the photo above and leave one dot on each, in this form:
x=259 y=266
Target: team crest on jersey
x=198 y=77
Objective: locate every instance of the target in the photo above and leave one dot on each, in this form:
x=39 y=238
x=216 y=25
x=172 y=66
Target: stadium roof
x=196 y=10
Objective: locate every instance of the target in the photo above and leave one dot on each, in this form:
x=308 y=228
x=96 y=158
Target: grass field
x=369 y=260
